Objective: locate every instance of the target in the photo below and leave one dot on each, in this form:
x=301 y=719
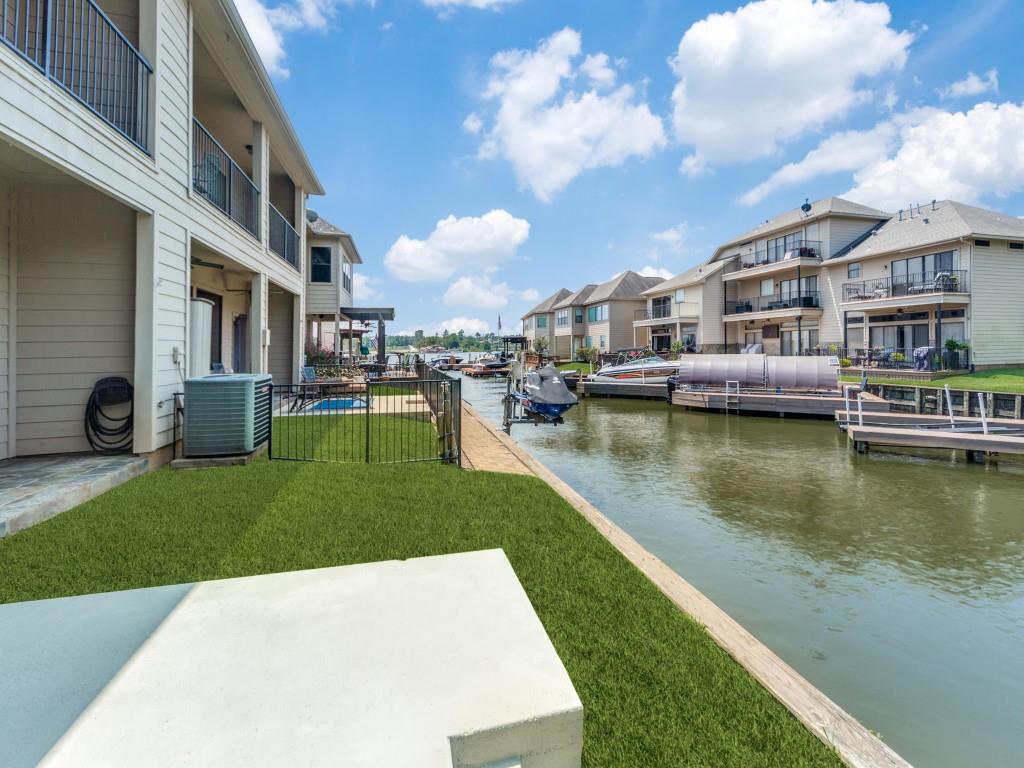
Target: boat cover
x=545 y=385
x=807 y=372
x=715 y=370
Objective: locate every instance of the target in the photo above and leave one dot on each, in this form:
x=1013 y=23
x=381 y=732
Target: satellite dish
x=806 y=207
x=311 y=215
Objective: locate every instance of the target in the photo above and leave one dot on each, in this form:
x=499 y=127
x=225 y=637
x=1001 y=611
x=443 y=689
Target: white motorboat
x=645 y=370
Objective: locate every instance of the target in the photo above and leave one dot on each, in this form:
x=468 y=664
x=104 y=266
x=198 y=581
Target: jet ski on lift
x=541 y=396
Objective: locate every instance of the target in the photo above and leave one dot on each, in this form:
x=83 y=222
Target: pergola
x=369 y=315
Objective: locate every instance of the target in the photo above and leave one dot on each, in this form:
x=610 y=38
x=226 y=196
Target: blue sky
x=486 y=152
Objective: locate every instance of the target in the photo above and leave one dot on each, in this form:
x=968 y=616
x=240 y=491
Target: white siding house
x=175 y=174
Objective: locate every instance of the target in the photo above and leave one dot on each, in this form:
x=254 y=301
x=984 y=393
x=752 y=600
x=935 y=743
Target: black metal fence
x=375 y=422
x=284 y=240
x=218 y=178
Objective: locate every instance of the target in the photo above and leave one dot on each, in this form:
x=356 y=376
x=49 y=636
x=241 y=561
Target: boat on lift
x=641 y=370
x=543 y=395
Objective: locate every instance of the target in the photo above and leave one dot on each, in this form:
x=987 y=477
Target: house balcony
x=667 y=313
x=284 y=240
x=218 y=179
x=776 y=305
x=74 y=44
x=923 y=288
x=767 y=261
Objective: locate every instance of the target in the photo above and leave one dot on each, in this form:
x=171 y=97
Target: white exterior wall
x=996 y=328
x=5 y=322
x=281 y=362
x=711 y=329
x=326 y=298
x=40 y=118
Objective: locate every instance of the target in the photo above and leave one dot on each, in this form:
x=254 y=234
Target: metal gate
x=396 y=421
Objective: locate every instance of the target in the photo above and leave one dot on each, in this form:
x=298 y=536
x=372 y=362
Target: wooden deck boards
x=783 y=404
x=936 y=438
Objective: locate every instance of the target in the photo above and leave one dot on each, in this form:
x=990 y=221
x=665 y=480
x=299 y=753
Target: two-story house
x=570 y=322
x=332 y=256
x=685 y=309
x=773 y=281
x=147 y=167
x=933 y=273
x=609 y=311
x=539 y=322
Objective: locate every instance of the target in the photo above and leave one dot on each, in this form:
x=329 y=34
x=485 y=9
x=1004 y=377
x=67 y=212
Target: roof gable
x=548 y=304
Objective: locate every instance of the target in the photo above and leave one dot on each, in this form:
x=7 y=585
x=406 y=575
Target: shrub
x=846 y=362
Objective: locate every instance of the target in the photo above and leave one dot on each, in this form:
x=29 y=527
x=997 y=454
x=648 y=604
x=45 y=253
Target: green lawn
x=575 y=366
x=657 y=690
x=326 y=437
x=1003 y=380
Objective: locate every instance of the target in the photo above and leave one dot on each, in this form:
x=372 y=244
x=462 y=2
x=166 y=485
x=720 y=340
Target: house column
x=299 y=342
x=261 y=175
x=258 y=323
x=337 y=338
x=145 y=378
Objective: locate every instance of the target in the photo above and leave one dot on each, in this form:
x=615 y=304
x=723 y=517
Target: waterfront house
x=332 y=255
x=145 y=160
x=772 y=281
x=570 y=323
x=609 y=311
x=685 y=309
x=539 y=322
x=931 y=275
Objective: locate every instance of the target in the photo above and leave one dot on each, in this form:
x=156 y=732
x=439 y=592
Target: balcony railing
x=74 y=44
x=666 y=311
x=931 y=357
x=917 y=284
x=284 y=240
x=801 y=249
x=772 y=303
x=220 y=180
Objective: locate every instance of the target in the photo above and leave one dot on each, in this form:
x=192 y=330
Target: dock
x=980 y=439
x=821 y=405
x=591 y=388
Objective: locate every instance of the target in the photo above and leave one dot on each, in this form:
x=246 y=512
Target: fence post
x=369 y=389
x=458 y=420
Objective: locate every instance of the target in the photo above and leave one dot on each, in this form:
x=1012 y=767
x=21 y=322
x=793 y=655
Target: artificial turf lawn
x=329 y=437
x=657 y=691
x=1009 y=380
x=577 y=366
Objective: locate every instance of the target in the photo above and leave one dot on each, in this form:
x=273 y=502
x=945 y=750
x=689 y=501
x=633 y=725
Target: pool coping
x=855 y=745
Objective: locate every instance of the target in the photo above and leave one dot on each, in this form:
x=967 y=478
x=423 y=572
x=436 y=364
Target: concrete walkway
x=34 y=489
x=483 y=449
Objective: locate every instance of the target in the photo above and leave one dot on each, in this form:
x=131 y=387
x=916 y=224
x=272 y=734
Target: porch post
x=145 y=378
x=938 y=335
x=337 y=338
x=799 y=335
x=258 y=324
x=261 y=175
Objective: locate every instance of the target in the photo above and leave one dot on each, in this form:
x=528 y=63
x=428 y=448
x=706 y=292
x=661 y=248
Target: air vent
x=227 y=415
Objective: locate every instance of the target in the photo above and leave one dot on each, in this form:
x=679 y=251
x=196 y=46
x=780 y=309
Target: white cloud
x=478 y=243
x=552 y=133
x=920 y=155
x=751 y=79
x=972 y=85
x=891 y=98
x=846 y=151
x=949 y=155
x=447 y=6
x=479 y=291
x=267 y=25
x=530 y=294
x=468 y=325
x=673 y=236
x=365 y=288
x=387 y=26
x=472 y=124
x=650 y=271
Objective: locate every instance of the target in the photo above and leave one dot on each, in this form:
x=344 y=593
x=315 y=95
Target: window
x=319 y=264
x=680 y=295
x=853 y=271
x=216 y=329
x=578 y=314
x=767 y=286
x=587 y=342
x=597 y=314
x=562 y=317
x=982 y=243
x=601 y=343
x=798 y=342
x=346 y=276
x=528 y=324
x=921 y=269
x=788 y=289
x=1017 y=246
x=661 y=306
x=542 y=321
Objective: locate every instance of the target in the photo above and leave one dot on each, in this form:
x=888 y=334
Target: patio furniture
x=921 y=357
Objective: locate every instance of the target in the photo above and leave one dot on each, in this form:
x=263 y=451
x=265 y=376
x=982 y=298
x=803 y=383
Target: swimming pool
x=337 y=404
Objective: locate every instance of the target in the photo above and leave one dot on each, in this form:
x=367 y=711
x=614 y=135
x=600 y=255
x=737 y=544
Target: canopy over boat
x=787 y=372
x=808 y=372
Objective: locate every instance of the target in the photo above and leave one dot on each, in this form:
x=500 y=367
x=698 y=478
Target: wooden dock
x=976 y=444
x=802 y=404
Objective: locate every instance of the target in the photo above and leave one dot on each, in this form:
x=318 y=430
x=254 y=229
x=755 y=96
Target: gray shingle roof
x=948 y=220
x=694 y=275
x=323 y=227
x=828 y=206
x=577 y=299
x=548 y=303
x=628 y=285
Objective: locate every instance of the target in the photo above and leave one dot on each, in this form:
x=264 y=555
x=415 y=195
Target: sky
x=485 y=153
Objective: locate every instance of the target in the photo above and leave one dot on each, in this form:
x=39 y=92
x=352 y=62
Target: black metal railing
x=76 y=45
x=386 y=422
x=284 y=240
x=772 y=303
x=930 y=357
x=219 y=179
x=915 y=284
x=805 y=249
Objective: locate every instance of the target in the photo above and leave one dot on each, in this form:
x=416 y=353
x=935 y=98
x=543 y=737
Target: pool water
x=337 y=404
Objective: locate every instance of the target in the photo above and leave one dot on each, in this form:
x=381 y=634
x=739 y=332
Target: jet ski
x=544 y=396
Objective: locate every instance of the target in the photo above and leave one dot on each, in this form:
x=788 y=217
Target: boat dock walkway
x=483 y=449
x=977 y=438
x=788 y=403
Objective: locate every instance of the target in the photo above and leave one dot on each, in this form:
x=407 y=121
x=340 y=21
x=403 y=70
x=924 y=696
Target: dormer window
x=319 y=264
x=982 y=243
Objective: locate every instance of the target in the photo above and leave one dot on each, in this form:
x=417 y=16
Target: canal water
x=894 y=584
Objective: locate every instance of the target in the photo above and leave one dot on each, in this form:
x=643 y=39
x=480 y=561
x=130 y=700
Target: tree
x=540 y=343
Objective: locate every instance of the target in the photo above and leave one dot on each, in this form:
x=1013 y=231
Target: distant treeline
x=478 y=342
